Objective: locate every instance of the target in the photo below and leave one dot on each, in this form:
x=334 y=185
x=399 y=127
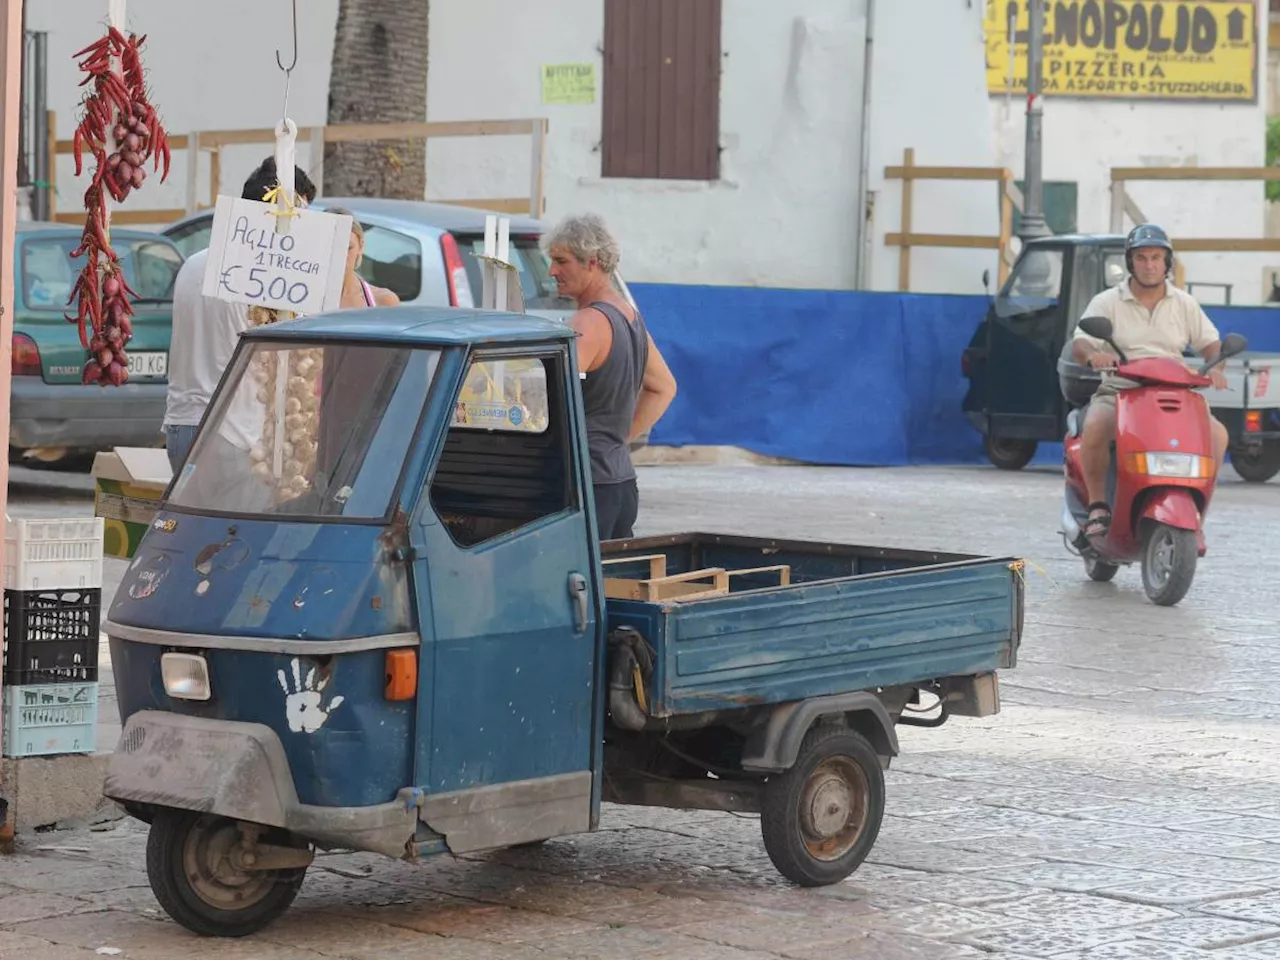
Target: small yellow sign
x=1129 y=49
x=568 y=84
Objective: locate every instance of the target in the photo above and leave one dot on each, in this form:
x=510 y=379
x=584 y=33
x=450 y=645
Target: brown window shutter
x=661 y=103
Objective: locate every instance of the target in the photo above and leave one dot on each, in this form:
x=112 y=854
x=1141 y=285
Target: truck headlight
x=1186 y=466
x=186 y=676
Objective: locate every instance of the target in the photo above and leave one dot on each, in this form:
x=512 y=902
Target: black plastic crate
x=51 y=636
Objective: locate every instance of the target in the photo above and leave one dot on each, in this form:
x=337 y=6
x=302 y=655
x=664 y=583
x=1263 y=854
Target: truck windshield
x=1035 y=284
x=306 y=431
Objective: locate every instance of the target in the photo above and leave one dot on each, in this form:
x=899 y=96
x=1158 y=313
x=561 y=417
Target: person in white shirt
x=204 y=336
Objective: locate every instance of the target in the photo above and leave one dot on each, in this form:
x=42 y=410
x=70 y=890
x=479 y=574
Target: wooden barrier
x=212 y=142
x=908 y=173
x=1122 y=205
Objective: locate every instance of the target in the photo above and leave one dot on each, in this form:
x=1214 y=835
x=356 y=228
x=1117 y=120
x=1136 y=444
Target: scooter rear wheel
x=1168 y=564
x=1100 y=572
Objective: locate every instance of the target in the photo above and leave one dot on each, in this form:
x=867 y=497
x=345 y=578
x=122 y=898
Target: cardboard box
x=128 y=484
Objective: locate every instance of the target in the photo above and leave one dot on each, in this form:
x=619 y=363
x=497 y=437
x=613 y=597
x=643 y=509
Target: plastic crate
x=45 y=719
x=53 y=554
x=51 y=636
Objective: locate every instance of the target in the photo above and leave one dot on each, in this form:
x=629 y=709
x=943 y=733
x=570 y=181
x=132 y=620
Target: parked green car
x=52 y=415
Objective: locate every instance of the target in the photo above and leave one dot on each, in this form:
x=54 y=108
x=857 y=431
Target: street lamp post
x=1033 y=223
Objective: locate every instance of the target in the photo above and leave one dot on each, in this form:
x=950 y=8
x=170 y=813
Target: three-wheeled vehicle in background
x=388 y=625
x=1013 y=361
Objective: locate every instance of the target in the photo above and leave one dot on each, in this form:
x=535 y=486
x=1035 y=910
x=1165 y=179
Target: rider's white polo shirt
x=1176 y=323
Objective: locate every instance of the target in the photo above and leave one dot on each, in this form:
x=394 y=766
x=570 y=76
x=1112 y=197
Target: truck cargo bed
x=740 y=621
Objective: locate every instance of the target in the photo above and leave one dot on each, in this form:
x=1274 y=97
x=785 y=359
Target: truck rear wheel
x=1010 y=454
x=820 y=819
x=1258 y=463
x=194 y=876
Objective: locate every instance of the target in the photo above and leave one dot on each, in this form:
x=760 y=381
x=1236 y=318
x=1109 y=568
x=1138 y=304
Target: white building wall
x=928 y=87
x=211 y=66
x=783 y=212
x=1084 y=139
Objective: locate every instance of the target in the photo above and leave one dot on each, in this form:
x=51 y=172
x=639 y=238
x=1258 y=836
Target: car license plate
x=148 y=364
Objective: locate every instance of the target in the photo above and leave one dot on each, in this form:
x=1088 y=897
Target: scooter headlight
x=1186 y=466
x=186 y=676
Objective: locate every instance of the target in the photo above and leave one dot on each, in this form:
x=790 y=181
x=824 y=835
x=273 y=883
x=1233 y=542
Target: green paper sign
x=568 y=84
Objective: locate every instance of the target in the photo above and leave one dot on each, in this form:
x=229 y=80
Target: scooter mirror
x=1234 y=344
x=1099 y=327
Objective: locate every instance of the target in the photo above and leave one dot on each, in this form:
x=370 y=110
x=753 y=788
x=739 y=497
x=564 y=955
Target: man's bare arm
x=595 y=338
x=656 y=393
x=1082 y=350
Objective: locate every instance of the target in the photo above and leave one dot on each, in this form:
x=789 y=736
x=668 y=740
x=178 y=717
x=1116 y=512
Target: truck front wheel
x=195 y=874
x=1010 y=454
x=820 y=819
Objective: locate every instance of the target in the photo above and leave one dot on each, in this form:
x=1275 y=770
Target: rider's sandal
x=1099 y=525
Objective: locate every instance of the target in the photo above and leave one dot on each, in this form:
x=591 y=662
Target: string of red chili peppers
x=116 y=104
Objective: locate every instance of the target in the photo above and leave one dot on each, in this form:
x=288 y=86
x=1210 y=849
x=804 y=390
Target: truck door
x=1022 y=375
x=507 y=591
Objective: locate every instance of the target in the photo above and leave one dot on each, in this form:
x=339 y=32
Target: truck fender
x=1174 y=507
x=774 y=745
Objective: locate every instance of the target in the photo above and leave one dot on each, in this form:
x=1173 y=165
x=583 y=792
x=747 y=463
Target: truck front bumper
x=240 y=771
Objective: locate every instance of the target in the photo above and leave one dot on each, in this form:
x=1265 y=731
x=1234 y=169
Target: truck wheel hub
x=832 y=808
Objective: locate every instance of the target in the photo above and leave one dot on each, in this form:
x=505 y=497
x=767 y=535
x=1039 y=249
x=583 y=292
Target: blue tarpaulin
x=835 y=377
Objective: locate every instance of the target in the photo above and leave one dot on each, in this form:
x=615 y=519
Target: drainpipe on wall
x=862 y=252
x=10 y=82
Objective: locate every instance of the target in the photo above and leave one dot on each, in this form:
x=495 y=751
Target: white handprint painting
x=303 y=706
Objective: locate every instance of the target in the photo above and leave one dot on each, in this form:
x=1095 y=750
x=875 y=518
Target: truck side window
x=505 y=462
x=393 y=260
x=1113 y=270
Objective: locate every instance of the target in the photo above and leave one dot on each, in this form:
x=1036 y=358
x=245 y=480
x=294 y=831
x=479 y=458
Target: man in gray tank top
x=628 y=386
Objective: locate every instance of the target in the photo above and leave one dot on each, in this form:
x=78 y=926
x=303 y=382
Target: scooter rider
x=1150 y=317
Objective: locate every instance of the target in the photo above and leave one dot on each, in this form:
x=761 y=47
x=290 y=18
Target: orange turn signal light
x=1253 y=421
x=402 y=674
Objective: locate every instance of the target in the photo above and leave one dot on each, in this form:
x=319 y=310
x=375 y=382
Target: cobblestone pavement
x=1125 y=805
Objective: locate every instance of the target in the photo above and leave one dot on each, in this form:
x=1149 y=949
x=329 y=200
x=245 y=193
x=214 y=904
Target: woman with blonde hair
x=356 y=291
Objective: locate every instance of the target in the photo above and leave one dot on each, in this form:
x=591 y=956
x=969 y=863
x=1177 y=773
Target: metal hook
x=279 y=62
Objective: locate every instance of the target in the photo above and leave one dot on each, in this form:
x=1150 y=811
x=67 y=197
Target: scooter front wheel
x=1168 y=564
x=194 y=874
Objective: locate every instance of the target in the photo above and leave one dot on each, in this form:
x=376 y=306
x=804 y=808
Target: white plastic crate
x=50 y=718
x=58 y=554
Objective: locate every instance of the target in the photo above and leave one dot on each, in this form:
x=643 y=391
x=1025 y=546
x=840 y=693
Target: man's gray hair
x=585 y=236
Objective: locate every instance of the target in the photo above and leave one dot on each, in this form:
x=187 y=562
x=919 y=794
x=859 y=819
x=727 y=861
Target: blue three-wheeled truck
x=371 y=613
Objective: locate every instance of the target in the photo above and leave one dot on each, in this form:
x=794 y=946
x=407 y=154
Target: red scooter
x=1161 y=476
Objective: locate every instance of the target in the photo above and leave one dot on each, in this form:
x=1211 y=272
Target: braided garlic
x=302 y=370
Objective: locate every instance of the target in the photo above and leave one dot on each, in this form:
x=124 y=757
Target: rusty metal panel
x=662 y=89
x=853 y=618
x=816 y=639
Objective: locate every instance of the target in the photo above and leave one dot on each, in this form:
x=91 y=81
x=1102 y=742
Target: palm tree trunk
x=379 y=74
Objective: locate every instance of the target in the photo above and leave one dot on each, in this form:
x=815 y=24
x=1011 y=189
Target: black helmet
x=1147 y=235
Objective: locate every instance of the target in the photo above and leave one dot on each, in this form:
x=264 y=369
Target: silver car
x=426 y=252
